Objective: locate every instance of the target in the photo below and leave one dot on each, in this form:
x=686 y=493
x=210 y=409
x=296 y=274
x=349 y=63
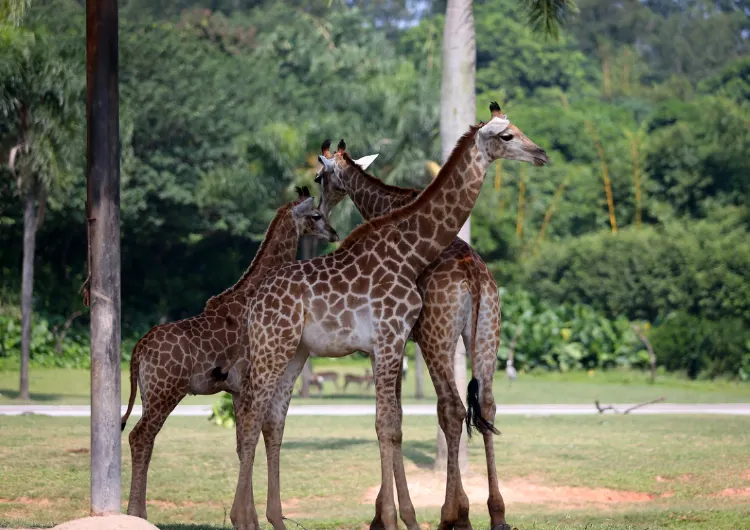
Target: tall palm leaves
x=41 y=110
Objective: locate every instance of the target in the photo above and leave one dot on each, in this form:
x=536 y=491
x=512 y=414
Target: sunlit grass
x=328 y=464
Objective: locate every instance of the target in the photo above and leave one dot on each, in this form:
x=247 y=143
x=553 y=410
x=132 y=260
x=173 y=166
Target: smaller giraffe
x=187 y=356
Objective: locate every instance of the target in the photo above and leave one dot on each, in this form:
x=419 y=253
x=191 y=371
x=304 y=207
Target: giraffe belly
x=330 y=338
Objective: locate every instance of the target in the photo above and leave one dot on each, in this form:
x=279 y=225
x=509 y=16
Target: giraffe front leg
x=387 y=425
x=273 y=432
x=255 y=397
x=405 y=506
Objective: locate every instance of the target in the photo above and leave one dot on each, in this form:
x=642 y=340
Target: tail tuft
x=474 y=416
x=122 y=426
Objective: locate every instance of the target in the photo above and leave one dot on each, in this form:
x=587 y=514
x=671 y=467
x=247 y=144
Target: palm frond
x=546 y=16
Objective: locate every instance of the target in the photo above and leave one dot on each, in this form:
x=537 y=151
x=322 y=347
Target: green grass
x=328 y=465
x=72 y=387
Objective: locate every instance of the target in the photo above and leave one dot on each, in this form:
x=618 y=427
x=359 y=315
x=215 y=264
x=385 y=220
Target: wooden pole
x=103 y=213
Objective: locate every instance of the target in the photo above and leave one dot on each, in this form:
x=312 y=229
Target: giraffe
x=364 y=297
x=454 y=288
x=182 y=357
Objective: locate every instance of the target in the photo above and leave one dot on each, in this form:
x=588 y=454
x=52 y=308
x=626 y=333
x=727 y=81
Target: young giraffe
x=182 y=357
x=361 y=297
x=454 y=288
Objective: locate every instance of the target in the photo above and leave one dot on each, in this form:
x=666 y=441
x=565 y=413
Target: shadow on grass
x=13 y=394
x=365 y=398
x=422 y=454
x=321 y=444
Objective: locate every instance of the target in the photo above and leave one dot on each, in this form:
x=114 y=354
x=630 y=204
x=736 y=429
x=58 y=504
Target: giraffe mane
x=424 y=197
x=218 y=299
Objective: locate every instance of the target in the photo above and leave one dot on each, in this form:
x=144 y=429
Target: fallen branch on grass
x=603 y=409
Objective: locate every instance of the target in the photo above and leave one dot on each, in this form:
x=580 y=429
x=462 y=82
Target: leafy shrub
x=701 y=267
x=702 y=347
x=565 y=337
x=222 y=413
x=74 y=350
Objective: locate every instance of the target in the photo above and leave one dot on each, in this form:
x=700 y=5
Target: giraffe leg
x=405 y=506
x=488 y=340
x=438 y=355
x=255 y=398
x=273 y=432
x=387 y=425
x=142 y=437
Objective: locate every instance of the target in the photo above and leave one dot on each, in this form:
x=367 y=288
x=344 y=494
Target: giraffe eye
x=506 y=137
x=317 y=217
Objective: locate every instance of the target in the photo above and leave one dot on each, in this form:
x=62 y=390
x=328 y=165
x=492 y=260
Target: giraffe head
x=498 y=138
x=308 y=220
x=333 y=189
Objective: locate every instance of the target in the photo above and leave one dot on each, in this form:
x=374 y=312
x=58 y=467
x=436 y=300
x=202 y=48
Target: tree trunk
x=457 y=112
x=103 y=216
x=27 y=289
x=419 y=372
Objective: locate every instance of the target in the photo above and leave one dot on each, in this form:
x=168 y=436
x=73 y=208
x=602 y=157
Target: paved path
x=735 y=409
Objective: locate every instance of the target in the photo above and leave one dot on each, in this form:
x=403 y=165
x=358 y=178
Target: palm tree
x=39 y=104
x=458 y=110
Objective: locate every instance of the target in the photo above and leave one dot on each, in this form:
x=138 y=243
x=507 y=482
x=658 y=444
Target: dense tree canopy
x=644 y=107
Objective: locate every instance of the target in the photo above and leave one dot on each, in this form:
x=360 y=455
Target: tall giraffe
x=364 y=297
x=454 y=288
x=182 y=357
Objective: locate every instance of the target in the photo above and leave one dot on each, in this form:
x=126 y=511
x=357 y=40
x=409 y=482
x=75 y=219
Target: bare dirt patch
x=427 y=490
x=746 y=474
x=732 y=492
x=27 y=501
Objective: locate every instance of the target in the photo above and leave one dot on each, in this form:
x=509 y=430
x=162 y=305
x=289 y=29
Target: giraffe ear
x=303 y=208
x=494 y=127
x=365 y=161
x=327 y=164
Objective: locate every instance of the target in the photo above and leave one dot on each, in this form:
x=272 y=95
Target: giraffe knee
x=451 y=414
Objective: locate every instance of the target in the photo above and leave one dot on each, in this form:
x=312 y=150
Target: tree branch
x=603 y=409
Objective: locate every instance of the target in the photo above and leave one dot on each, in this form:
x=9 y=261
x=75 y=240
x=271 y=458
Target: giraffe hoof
x=503 y=526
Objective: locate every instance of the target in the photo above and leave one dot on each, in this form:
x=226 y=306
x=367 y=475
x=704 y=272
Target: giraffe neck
x=373 y=197
x=426 y=226
x=279 y=246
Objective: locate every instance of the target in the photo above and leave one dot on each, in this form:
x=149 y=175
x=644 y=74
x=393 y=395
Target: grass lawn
x=72 y=387
x=615 y=473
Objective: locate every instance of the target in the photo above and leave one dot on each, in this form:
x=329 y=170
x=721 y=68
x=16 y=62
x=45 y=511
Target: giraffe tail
x=474 y=417
x=134 y=361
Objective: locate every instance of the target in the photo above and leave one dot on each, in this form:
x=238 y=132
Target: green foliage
x=222 y=412
x=702 y=347
x=700 y=267
x=565 y=337
x=224 y=109
x=73 y=351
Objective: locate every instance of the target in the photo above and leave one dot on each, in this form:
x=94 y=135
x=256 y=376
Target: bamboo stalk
x=635 y=140
x=605 y=175
x=521 y=203
x=548 y=213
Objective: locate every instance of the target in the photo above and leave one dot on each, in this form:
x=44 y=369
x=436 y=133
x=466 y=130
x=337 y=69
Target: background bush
x=702 y=269
x=702 y=347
